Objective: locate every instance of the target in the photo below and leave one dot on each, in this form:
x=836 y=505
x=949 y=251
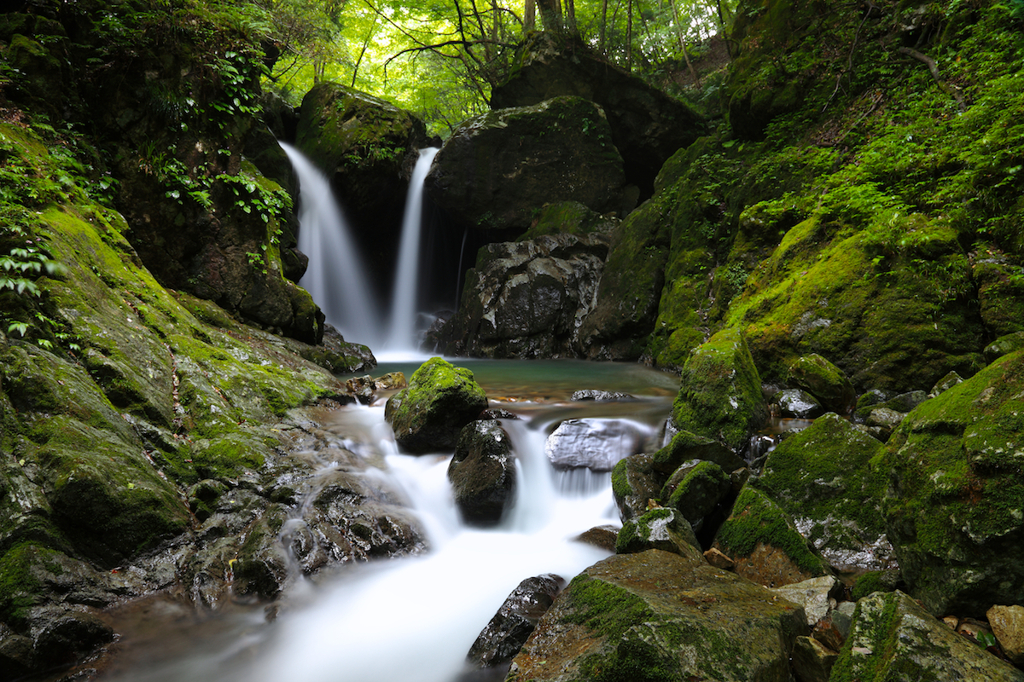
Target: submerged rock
x=483 y=473
x=892 y=637
x=517 y=618
x=428 y=415
x=657 y=611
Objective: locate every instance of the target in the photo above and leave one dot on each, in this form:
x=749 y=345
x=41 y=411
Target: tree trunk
x=604 y=25
x=551 y=15
x=629 y=36
x=682 y=43
x=570 y=17
x=530 y=15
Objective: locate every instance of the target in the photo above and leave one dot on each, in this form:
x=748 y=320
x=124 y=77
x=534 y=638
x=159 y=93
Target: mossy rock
x=765 y=544
x=1004 y=345
x=634 y=484
x=956 y=493
x=830 y=479
x=700 y=492
x=569 y=217
x=1000 y=296
x=720 y=392
x=660 y=616
x=429 y=414
x=483 y=473
x=686 y=446
x=660 y=528
x=824 y=381
x=893 y=638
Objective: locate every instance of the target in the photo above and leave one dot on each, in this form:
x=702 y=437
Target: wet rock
x=720 y=392
x=570 y=217
x=496 y=169
x=717 y=559
x=701 y=490
x=647 y=126
x=892 y=636
x=956 y=529
x=765 y=544
x=362 y=388
x=595 y=443
x=390 y=381
x=1008 y=626
x=877 y=581
x=793 y=402
x=661 y=528
x=517 y=618
x=600 y=396
x=817 y=596
x=824 y=477
x=526 y=299
x=634 y=485
x=262 y=565
x=65 y=637
x=602 y=537
x=614 y=619
x=824 y=381
x=429 y=414
x=686 y=446
x=812 y=660
x=884 y=418
x=494 y=414
x=337 y=355
x=483 y=473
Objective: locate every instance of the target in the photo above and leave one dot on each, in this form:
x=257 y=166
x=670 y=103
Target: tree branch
x=950 y=90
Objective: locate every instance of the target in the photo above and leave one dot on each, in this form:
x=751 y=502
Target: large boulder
x=720 y=392
x=367 y=147
x=526 y=299
x=428 y=415
x=651 y=616
x=829 y=478
x=823 y=380
x=955 y=494
x=497 y=169
x=892 y=638
x=483 y=472
x=505 y=634
x=660 y=528
x=647 y=125
x=595 y=443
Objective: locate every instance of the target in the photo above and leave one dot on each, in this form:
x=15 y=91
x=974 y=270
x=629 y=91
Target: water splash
x=335 y=277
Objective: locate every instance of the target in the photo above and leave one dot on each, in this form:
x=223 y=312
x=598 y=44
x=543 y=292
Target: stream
x=414 y=619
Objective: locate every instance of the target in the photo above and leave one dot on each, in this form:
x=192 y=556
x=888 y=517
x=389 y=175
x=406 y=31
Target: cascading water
x=335 y=277
x=401 y=338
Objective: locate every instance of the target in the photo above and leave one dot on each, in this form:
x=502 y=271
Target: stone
x=602 y=537
x=428 y=415
x=646 y=125
x=716 y=558
x=483 y=473
x=945 y=383
x=390 y=382
x=816 y=595
x=720 y=392
x=702 y=491
x=496 y=169
x=1007 y=624
x=505 y=634
x=812 y=660
x=1004 y=345
x=600 y=396
x=794 y=402
x=884 y=418
x=651 y=616
x=893 y=637
x=826 y=478
x=526 y=299
x=824 y=381
x=765 y=544
x=955 y=493
x=634 y=484
x=595 y=443
x=686 y=446
x=660 y=528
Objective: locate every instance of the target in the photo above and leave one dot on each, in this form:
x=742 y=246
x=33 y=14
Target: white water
x=401 y=341
x=335 y=277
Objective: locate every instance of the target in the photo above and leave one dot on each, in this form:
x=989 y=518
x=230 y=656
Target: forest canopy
x=440 y=58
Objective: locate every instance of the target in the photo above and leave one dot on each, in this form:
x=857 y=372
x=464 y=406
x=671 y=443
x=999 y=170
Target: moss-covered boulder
x=892 y=637
x=698 y=492
x=569 y=217
x=497 y=169
x=686 y=447
x=647 y=125
x=765 y=544
x=483 y=473
x=830 y=479
x=367 y=147
x=824 y=381
x=429 y=414
x=526 y=299
x=661 y=616
x=660 y=528
x=634 y=484
x=720 y=392
x=955 y=493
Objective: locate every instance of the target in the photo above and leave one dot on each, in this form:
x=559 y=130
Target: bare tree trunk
x=682 y=43
x=570 y=17
x=551 y=15
x=530 y=15
x=629 y=36
x=604 y=25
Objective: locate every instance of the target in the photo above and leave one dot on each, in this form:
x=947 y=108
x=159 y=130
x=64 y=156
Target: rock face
x=526 y=299
x=517 y=618
x=720 y=392
x=650 y=616
x=497 y=169
x=647 y=125
x=594 y=443
x=661 y=528
x=428 y=415
x=367 y=147
x=483 y=473
x=892 y=637
x=955 y=493
x=829 y=479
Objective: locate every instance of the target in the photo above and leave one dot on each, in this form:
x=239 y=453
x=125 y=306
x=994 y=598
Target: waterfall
x=335 y=277
x=401 y=339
